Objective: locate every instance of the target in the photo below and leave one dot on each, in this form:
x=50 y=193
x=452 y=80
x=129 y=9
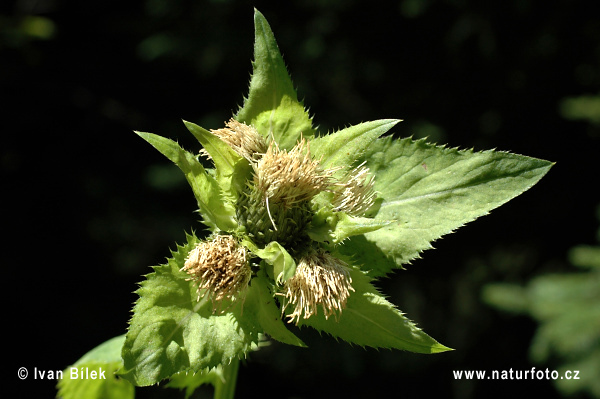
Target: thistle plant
x=301 y=225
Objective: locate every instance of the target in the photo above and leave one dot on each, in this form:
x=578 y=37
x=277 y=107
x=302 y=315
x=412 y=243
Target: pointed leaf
x=171 y=331
x=430 y=191
x=272 y=105
x=216 y=212
x=370 y=320
x=231 y=169
x=221 y=153
x=344 y=147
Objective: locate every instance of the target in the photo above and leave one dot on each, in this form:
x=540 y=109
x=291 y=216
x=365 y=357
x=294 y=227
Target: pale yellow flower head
x=290 y=177
x=354 y=194
x=243 y=139
x=220 y=268
x=321 y=280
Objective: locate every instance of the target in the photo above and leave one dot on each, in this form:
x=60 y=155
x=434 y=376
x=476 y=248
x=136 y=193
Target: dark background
x=88 y=206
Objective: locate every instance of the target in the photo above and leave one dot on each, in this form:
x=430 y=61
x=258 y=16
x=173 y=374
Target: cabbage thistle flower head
x=220 y=269
x=300 y=226
x=274 y=205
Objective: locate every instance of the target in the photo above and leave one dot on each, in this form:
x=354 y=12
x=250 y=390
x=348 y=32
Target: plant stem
x=226 y=389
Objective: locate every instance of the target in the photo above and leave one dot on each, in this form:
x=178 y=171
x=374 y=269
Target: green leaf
x=344 y=147
x=103 y=360
x=231 y=169
x=272 y=105
x=220 y=152
x=190 y=381
x=260 y=303
x=171 y=331
x=216 y=211
x=370 y=320
x=276 y=255
x=430 y=191
x=348 y=226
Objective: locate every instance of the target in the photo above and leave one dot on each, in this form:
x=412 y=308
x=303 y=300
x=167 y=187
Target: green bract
x=314 y=219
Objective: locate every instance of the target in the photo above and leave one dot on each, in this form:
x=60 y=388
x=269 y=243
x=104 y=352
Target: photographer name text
x=82 y=373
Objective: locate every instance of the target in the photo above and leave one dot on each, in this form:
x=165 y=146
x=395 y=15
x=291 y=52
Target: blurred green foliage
x=565 y=305
x=16 y=32
x=585 y=107
x=567 y=309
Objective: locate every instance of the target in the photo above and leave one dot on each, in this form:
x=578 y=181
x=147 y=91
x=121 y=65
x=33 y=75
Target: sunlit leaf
x=171 y=331
x=430 y=191
x=212 y=206
x=370 y=320
x=272 y=105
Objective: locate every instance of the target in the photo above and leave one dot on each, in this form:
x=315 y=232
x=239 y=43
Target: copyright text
x=82 y=373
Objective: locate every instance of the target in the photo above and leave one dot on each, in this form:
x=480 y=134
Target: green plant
x=567 y=308
x=301 y=225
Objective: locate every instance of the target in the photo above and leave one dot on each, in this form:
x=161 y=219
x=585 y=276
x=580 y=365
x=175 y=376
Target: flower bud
x=276 y=223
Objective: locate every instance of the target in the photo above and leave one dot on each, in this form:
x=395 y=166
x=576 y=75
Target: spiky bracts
x=287 y=226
